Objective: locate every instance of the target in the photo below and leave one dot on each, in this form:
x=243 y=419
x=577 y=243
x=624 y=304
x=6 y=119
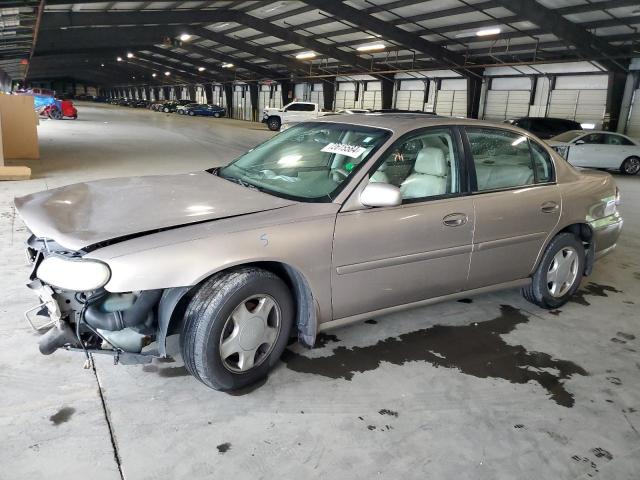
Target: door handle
x=549 y=207
x=455 y=220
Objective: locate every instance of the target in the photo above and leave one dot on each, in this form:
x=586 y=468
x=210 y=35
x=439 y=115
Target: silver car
x=327 y=223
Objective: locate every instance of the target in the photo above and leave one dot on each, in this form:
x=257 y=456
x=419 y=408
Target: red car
x=61 y=109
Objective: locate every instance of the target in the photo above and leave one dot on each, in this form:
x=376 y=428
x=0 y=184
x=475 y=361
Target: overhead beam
x=343 y=11
x=585 y=42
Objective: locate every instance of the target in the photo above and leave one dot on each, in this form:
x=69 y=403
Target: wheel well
x=306 y=318
x=585 y=234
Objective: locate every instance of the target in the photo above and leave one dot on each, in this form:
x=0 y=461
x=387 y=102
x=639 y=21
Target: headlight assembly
x=75 y=275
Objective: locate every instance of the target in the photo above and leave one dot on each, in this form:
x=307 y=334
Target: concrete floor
x=488 y=388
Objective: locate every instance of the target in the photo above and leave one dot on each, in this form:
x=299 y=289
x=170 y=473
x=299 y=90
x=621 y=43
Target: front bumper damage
x=123 y=325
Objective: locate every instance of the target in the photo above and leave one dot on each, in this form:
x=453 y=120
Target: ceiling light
x=371 y=47
x=154 y=75
x=305 y=55
x=488 y=31
x=166 y=74
x=119 y=59
x=102 y=64
x=129 y=55
x=185 y=37
x=227 y=65
x=201 y=69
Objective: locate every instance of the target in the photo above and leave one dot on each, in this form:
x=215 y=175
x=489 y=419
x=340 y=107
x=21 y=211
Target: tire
x=55 y=114
x=540 y=291
x=631 y=166
x=192 y=114
x=216 y=115
x=274 y=123
x=165 y=110
x=208 y=321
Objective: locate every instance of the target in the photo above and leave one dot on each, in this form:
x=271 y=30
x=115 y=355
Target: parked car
x=545 y=127
x=599 y=149
x=328 y=223
x=169 y=107
x=205 y=110
x=180 y=109
x=291 y=113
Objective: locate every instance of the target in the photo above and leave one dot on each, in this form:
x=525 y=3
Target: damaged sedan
x=327 y=223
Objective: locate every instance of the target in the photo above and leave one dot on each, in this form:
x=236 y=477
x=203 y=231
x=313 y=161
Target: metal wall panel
x=505 y=104
x=451 y=103
x=578 y=105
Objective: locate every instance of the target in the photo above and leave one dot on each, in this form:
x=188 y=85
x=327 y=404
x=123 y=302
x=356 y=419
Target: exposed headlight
x=74 y=275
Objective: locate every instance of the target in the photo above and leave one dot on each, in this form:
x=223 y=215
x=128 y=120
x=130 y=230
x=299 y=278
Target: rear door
x=516 y=200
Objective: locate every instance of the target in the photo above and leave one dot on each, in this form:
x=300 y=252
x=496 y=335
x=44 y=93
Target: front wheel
x=216 y=115
x=166 y=110
x=273 y=123
x=559 y=273
x=191 y=114
x=631 y=166
x=235 y=328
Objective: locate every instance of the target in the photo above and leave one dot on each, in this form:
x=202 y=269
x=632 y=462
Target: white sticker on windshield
x=353 y=151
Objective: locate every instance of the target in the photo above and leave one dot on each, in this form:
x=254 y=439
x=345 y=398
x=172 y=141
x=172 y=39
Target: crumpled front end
x=77 y=313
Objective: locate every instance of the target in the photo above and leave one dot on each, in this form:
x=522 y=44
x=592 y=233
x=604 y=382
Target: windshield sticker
x=352 y=151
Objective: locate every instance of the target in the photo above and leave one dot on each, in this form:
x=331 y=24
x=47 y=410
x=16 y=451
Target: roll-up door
x=346 y=95
x=200 y=96
x=317 y=95
x=218 y=96
x=581 y=98
x=411 y=95
x=508 y=98
x=372 y=96
x=451 y=100
x=633 y=123
x=239 y=106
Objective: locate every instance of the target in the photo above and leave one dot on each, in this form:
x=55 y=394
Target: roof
x=262 y=38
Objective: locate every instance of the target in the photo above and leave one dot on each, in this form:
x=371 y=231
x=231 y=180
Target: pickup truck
x=291 y=113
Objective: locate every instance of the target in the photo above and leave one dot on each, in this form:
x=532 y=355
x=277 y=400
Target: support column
x=167 y=92
x=615 y=93
x=287 y=92
x=387 y=92
x=192 y=93
x=208 y=93
x=474 y=94
x=253 y=95
x=633 y=82
x=228 y=93
x=328 y=94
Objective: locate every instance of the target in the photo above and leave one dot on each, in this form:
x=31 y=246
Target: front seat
x=380 y=176
x=429 y=177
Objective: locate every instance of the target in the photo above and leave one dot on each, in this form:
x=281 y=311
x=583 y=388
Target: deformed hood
x=84 y=214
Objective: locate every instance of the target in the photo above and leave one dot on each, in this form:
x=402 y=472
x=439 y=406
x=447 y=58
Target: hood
x=84 y=214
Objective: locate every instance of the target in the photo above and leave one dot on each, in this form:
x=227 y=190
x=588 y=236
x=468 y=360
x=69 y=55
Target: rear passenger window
x=502 y=159
x=541 y=162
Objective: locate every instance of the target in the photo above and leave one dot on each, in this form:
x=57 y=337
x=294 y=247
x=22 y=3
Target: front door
x=383 y=257
x=516 y=201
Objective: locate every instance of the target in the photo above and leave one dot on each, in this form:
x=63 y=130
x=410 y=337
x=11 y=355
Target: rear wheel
x=165 y=110
x=217 y=114
x=559 y=273
x=236 y=327
x=191 y=113
x=631 y=166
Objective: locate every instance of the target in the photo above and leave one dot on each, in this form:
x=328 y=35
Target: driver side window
x=421 y=166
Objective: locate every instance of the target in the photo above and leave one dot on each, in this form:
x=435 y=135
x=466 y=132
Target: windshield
x=567 y=136
x=310 y=161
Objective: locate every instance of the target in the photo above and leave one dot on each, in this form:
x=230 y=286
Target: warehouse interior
x=488 y=387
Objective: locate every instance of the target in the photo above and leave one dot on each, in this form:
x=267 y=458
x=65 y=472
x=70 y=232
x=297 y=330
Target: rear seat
x=493 y=174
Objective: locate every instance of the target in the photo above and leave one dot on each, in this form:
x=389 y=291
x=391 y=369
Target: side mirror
x=580 y=142
x=380 y=195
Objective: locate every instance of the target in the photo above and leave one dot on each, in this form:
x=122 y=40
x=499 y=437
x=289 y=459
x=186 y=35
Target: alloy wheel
x=562 y=272
x=250 y=333
x=632 y=166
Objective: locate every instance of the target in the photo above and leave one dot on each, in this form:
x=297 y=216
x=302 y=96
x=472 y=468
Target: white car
x=599 y=149
x=293 y=112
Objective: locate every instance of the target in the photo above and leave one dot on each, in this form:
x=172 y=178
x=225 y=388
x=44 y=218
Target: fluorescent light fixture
x=119 y=59
x=129 y=55
x=305 y=55
x=166 y=74
x=371 y=47
x=201 y=69
x=227 y=65
x=488 y=31
x=588 y=126
x=185 y=37
x=102 y=64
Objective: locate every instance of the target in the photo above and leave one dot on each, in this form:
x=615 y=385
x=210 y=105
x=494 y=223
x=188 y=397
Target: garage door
x=502 y=105
x=411 y=95
x=241 y=103
x=585 y=102
x=372 y=96
x=218 y=96
x=317 y=95
x=269 y=96
x=633 y=124
x=451 y=100
x=346 y=95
